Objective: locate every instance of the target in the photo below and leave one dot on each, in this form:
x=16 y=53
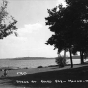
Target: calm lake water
x=27 y=63
x=31 y=63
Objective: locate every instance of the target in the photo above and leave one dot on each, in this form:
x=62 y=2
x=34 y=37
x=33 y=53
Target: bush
x=61 y=61
x=40 y=67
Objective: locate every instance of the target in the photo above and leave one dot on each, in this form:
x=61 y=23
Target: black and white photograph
x=43 y=43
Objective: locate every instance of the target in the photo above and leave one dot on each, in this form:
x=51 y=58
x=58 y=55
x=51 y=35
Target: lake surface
x=32 y=63
x=27 y=63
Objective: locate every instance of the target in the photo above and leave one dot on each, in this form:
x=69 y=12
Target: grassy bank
x=66 y=78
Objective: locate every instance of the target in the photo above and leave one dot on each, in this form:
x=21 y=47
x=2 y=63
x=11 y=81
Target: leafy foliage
x=7 y=22
x=70 y=27
x=61 y=61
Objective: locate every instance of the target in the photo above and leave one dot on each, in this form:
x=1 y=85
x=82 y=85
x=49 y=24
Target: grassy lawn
x=66 y=78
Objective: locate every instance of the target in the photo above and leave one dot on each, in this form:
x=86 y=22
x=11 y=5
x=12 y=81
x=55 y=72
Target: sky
x=32 y=31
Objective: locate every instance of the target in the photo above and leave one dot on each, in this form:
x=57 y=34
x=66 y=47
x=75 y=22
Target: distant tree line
x=70 y=27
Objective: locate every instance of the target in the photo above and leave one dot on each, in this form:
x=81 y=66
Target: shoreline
x=48 y=76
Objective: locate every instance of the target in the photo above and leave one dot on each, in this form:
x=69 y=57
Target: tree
x=7 y=22
x=80 y=8
x=70 y=26
x=59 y=24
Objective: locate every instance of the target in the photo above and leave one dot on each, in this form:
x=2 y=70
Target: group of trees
x=7 y=22
x=70 y=27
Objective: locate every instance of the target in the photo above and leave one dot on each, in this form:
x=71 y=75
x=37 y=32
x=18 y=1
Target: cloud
x=29 y=28
x=30 y=42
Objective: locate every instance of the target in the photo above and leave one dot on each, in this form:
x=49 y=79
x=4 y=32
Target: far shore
x=28 y=58
x=37 y=58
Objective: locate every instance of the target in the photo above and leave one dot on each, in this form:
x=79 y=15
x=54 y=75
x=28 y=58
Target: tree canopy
x=70 y=27
x=7 y=22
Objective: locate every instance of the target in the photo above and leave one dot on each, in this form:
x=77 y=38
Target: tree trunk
x=81 y=57
x=71 y=58
x=65 y=53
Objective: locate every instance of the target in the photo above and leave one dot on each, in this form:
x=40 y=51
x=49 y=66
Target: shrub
x=61 y=61
x=40 y=67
